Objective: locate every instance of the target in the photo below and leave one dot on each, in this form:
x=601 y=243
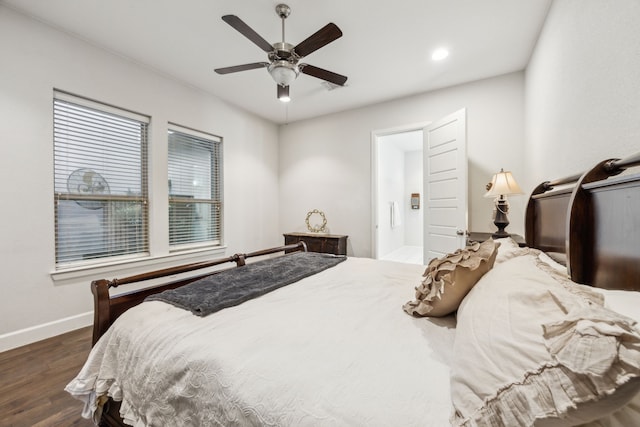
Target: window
x=195 y=182
x=100 y=169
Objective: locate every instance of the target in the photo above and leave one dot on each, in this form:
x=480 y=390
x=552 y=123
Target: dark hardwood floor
x=32 y=381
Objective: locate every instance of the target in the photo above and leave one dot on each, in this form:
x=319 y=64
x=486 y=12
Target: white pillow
x=624 y=302
x=533 y=347
x=508 y=249
x=627 y=416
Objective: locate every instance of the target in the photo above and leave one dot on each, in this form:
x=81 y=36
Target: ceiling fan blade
x=248 y=32
x=244 y=67
x=322 y=37
x=320 y=73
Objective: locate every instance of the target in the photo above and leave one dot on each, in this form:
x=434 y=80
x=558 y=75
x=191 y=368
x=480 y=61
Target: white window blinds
x=100 y=169
x=195 y=183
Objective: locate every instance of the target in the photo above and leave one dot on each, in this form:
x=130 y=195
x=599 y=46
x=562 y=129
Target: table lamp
x=502 y=185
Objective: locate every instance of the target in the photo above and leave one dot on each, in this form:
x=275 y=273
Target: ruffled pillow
x=448 y=279
x=532 y=347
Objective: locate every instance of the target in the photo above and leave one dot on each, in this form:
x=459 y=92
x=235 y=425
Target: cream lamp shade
x=503 y=184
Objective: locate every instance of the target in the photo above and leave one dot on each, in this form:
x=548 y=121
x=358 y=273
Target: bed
x=552 y=325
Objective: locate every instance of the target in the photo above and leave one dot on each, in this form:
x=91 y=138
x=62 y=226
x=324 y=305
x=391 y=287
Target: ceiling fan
x=284 y=58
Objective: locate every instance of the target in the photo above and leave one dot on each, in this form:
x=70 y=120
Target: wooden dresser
x=318 y=242
x=481 y=237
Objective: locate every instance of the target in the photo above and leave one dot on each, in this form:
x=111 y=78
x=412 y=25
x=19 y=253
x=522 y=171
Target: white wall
x=37 y=59
x=325 y=163
x=583 y=88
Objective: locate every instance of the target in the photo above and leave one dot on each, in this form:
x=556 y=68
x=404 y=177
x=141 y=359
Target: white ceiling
x=385 y=50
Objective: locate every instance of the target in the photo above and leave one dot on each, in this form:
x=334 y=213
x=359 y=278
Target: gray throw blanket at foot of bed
x=235 y=286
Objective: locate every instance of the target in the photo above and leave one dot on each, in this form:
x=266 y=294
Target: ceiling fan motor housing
x=283 y=50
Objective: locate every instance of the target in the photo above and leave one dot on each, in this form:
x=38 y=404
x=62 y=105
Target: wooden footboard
x=107 y=307
x=111 y=415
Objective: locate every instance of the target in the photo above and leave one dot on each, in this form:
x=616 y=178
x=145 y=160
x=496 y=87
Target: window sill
x=130 y=267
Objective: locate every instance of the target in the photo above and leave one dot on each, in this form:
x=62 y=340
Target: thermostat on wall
x=415 y=200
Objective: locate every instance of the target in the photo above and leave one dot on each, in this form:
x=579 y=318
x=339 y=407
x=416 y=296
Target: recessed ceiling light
x=439 y=54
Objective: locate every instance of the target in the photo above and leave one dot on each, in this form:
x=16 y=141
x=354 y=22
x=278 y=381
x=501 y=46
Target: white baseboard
x=44 y=331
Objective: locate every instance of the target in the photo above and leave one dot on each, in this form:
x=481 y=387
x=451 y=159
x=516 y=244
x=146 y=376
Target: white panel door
x=445 y=185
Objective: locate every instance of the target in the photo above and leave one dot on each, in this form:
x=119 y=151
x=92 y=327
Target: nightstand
x=318 y=242
x=481 y=237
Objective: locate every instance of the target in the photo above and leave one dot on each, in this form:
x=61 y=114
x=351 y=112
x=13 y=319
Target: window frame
x=142 y=199
x=217 y=187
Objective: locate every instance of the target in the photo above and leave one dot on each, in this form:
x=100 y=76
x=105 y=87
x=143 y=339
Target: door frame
x=375 y=146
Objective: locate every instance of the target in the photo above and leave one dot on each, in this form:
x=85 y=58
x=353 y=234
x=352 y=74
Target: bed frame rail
x=108 y=308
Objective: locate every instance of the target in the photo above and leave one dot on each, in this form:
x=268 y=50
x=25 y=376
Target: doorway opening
x=440 y=217
x=398 y=195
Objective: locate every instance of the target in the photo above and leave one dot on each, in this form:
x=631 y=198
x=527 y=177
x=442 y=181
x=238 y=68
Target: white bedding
x=627 y=303
x=623 y=302
x=334 y=349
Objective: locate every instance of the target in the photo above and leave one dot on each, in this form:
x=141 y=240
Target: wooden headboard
x=603 y=226
x=545 y=216
x=600 y=233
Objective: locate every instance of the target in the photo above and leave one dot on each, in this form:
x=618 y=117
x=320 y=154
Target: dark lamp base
x=501 y=221
x=500 y=234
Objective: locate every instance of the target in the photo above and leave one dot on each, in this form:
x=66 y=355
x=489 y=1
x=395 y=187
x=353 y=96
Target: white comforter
x=334 y=349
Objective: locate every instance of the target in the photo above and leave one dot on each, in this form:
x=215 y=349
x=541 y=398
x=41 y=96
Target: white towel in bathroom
x=396 y=219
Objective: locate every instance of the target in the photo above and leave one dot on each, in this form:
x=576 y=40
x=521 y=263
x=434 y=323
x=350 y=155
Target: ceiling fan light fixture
x=283 y=93
x=283 y=72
